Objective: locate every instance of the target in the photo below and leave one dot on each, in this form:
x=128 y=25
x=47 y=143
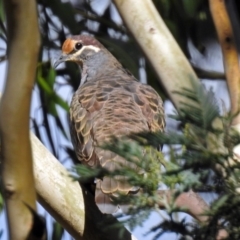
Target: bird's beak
x=61 y=58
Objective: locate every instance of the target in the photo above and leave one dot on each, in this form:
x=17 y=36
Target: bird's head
x=79 y=49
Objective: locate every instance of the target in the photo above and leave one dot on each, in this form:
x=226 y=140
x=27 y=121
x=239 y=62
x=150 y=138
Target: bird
x=109 y=102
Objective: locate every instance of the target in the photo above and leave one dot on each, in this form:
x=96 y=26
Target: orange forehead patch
x=68 y=46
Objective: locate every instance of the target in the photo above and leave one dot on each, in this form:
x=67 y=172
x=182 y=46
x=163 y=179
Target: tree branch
x=158 y=44
x=17 y=171
x=72 y=206
x=231 y=64
x=230 y=54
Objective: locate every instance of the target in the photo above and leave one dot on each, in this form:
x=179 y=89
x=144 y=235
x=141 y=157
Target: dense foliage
x=197 y=158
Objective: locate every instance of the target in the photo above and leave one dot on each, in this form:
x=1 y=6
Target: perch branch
x=72 y=206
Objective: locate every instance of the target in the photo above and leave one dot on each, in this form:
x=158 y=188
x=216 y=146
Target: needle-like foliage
x=196 y=158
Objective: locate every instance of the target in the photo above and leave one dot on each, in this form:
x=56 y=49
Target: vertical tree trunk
x=17 y=168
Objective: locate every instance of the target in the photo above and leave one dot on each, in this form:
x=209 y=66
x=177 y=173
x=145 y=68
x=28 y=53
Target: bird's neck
x=102 y=67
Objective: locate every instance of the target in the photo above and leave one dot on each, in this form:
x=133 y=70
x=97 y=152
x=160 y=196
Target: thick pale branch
x=17 y=171
x=67 y=201
x=230 y=55
x=158 y=44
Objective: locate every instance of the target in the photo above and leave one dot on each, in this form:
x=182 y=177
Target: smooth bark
x=17 y=169
x=149 y=30
x=230 y=54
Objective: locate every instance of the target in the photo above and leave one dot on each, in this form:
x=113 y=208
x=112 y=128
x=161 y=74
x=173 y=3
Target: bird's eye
x=78 y=46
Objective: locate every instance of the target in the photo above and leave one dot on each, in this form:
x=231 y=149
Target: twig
x=205 y=74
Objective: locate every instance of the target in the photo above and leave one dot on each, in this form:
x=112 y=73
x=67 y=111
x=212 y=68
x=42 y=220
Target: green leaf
x=1 y=202
x=57 y=232
x=190 y=7
x=46 y=83
x=2 y=14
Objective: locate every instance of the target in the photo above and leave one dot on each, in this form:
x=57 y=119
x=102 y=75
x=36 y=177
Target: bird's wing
x=86 y=102
x=152 y=107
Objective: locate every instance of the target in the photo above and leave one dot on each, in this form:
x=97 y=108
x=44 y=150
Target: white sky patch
x=115 y=15
x=99 y=5
x=142 y=71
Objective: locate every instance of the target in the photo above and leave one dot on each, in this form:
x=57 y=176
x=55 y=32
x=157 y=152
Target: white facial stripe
x=95 y=49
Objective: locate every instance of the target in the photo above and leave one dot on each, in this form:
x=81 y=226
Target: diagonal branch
x=150 y=32
x=72 y=206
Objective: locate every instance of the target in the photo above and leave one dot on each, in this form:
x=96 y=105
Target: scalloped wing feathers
x=114 y=106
